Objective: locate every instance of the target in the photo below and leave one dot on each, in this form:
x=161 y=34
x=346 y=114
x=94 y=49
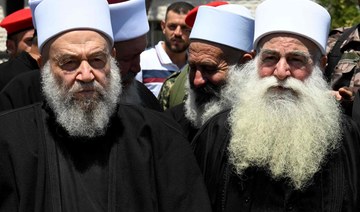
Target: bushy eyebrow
x=268 y=51
x=300 y=53
x=62 y=58
x=292 y=53
x=71 y=55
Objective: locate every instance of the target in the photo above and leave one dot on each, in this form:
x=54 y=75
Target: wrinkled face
x=81 y=82
x=80 y=56
x=284 y=56
x=176 y=32
x=20 y=42
x=287 y=133
x=128 y=57
x=208 y=69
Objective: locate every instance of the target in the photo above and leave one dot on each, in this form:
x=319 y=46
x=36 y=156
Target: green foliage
x=343 y=12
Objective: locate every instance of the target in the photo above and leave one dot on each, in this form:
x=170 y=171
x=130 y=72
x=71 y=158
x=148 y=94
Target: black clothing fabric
x=21 y=64
x=138 y=94
x=143 y=163
x=356 y=108
x=178 y=114
x=334 y=188
x=25 y=89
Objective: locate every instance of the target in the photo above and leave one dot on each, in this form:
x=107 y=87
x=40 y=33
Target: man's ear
x=11 y=47
x=253 y=52
x=323 y=62
x=39 y=61
x=113 y=52
x=163 y=26
x=246 y=57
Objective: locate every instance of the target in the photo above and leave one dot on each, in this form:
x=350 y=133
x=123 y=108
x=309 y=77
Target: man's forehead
x=208 y=51
x=288 y=52
x=204 y=45
x=173 y=17
x=73 y=39
x=286 y=40
x=70 y=52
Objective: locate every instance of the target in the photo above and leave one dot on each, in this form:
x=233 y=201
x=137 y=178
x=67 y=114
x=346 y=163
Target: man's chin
x=178 y=48
x=85 y=104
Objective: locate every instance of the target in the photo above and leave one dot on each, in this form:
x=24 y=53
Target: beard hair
x=198 y=113
x=87 y=118
x=288 y=133
x=176 y=49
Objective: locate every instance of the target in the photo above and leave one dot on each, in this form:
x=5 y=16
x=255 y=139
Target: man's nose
x=282 y=69
x=199 y=79
x=178 y=31
x=85 y=72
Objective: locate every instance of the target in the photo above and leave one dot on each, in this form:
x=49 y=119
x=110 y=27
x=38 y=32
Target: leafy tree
x=343 y=12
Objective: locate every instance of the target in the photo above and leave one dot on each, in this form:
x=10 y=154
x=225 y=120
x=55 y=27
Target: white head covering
x=300 y=17
x=54 y=17
x=129 y=19
x=33 y=4
x=229 y=24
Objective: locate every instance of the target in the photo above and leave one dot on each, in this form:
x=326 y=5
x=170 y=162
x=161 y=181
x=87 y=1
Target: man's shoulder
x=149 y=52
x=21 y=113
x=350 y=137
x=173 y=76
x=349 y=126
x=140 y=116
x=149 y=57
x=219 y=122
x=21 y=123
x=215 y=131
x=169 y=82
x=6 y=66
x=221 y=119
x=139 y=112
x=15 y=63
x=28 y=78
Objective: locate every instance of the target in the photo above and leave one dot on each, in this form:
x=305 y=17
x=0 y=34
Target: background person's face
x=128 y=57
x=208 y=70
x=176 y=32
x=20 y=42
x=207 y=64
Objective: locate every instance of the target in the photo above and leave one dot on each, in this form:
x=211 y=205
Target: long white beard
x=82 y=118
x=289 y=133
x=198 y=115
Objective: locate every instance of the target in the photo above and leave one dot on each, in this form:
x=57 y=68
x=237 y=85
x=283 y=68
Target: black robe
x=137 y=93
x=335 y=188
x=144 y=163
x=13 y=67
x=22 y=90
x=356 y=108
x=25 y=89
x=178 y=114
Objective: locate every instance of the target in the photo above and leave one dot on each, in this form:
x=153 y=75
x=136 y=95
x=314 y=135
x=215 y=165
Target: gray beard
x=199 y=114
x=289 y=133
x=82 y=118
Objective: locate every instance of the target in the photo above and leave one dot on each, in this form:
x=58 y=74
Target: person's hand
x=346 y=94
x=343 y=94
x=336 y=94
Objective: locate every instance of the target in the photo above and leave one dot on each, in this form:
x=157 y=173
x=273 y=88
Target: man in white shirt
x=170 y=55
